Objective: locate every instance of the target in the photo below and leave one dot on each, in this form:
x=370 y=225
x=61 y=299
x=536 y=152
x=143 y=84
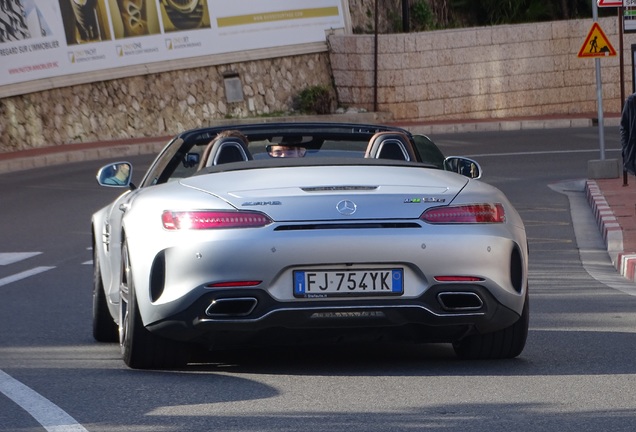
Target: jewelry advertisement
x=42 y=39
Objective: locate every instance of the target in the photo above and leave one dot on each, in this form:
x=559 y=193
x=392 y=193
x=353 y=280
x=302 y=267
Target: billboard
x=50 y=38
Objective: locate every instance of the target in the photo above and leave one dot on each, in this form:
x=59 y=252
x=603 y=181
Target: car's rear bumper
x=445 y=313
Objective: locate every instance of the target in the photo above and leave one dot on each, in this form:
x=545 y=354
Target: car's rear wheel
x=506 y=343
x=140 y=348
x=104 y=326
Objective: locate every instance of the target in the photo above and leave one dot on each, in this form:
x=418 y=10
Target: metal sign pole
x=599 y=93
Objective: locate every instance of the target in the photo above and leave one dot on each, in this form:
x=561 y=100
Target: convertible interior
x=199 y=153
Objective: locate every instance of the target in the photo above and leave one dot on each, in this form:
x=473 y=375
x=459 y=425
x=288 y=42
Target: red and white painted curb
x=612 y=233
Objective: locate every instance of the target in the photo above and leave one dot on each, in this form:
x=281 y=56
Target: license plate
x=361 y=282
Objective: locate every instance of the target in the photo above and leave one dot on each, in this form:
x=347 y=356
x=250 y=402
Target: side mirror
x=464 y=166
x=118 y=174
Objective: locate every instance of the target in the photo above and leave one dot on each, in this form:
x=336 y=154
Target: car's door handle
x=124 y=207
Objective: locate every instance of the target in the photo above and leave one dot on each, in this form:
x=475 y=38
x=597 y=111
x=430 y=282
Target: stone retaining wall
x=156 y=104
x=480 y=73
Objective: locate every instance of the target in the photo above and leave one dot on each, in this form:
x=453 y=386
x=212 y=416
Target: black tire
x=140 y=348
x=104 y=326
x=502 y=344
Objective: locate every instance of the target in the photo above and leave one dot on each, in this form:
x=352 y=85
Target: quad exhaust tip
x=231 y=307
x=460 y=301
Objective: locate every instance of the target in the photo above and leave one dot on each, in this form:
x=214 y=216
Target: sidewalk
x=613 y=204
x=614 y=207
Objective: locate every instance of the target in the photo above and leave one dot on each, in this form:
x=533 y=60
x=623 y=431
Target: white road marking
x=13 y=257
x=88 y=262
x=50 y=416
x=534 y=153
x=23 y=275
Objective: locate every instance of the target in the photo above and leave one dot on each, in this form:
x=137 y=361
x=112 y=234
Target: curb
x=503 y=125
x=611 y=231
x=69 y=153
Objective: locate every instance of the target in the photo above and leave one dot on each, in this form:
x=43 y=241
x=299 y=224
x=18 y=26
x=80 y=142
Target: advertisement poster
x=48 y=38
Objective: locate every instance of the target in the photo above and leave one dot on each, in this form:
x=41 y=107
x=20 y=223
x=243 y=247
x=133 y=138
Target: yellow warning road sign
x=596 y=44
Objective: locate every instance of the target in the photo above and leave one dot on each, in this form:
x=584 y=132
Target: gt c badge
x=346 y=207
x=260 y=203
x=424 y=200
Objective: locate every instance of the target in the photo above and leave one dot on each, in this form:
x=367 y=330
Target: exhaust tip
x=231 y=307
x=460 y=301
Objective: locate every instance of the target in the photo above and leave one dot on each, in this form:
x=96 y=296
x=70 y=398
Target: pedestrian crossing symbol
x=596 y=44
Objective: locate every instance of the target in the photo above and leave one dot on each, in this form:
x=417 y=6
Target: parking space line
x=23 y=275
x=45 y=412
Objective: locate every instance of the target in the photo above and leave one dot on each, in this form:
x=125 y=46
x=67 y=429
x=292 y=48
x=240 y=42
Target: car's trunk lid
x=333 y=192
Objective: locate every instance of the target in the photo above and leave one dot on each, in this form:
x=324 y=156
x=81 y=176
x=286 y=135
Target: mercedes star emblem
x=346 y=207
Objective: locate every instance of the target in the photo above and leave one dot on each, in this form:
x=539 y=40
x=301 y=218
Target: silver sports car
x=303 y=232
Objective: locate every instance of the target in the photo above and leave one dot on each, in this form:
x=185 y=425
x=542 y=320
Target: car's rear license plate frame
x=348 y=283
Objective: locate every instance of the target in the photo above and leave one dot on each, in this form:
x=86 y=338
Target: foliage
x=493 y=12
x=422 y=17
x=314 y=100
x=439 y=14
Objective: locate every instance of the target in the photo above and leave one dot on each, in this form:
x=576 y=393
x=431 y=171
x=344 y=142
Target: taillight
x=470 y=213
x=210 y=219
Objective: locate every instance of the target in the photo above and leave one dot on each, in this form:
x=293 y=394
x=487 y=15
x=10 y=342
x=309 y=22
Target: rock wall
x=156 y=104
x=363 y=15
x=479 y=73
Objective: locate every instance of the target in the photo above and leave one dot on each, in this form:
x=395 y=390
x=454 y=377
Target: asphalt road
x=577 y=372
